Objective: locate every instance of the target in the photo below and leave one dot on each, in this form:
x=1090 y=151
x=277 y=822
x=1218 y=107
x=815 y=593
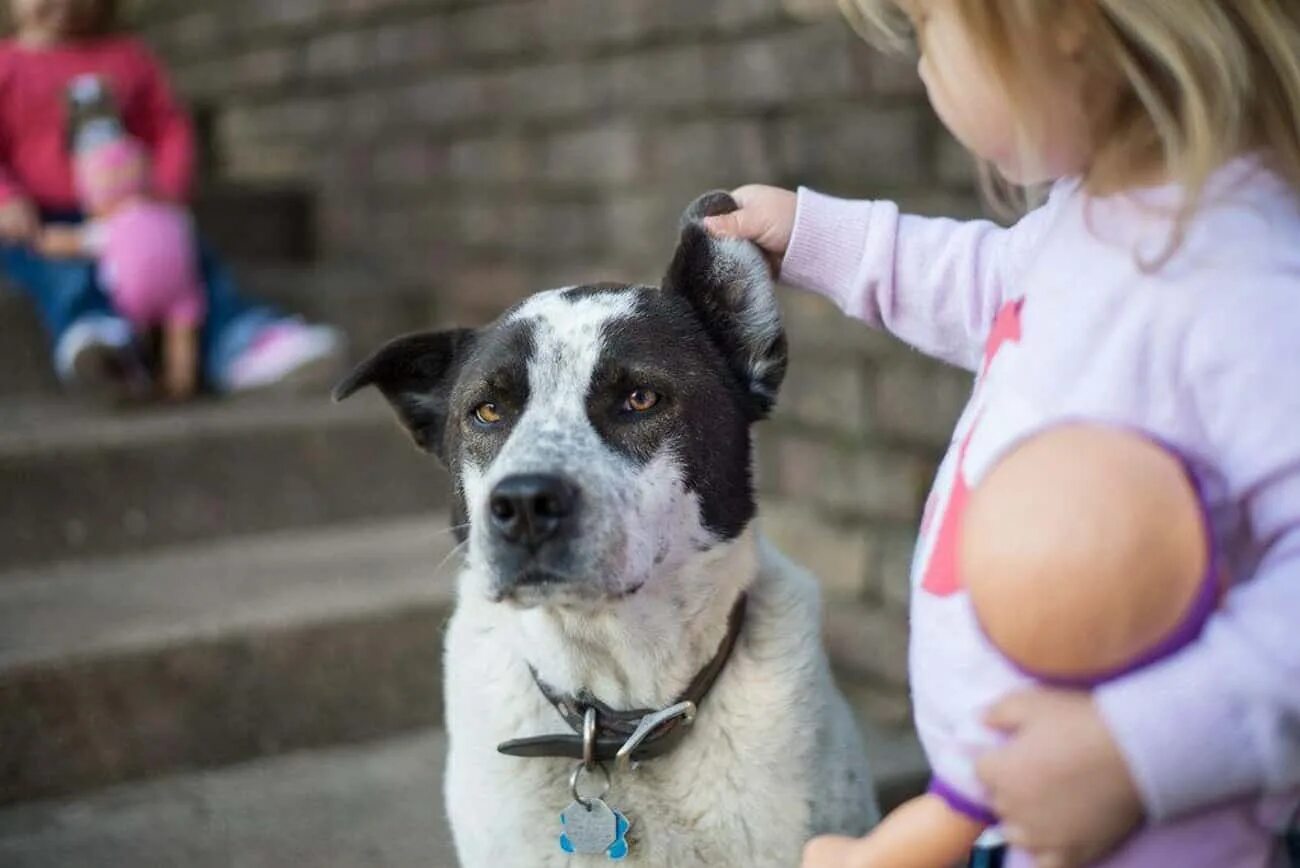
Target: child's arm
x=936 y=283
x=161 y=122
x=921 y=833
x=19 y=221
x=1222 y=718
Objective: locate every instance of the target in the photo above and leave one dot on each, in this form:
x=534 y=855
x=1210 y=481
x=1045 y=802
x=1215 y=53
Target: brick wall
x=487 y=149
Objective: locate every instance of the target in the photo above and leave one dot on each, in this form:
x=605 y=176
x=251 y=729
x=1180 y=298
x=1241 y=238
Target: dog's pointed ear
x=416 y=373
x=729 y=284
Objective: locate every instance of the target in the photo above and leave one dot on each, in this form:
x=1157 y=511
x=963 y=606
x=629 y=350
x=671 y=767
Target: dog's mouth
x=535 y=586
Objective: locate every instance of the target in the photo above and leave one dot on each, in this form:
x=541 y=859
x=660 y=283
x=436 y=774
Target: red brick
x=830 y=395
x=605 y=154
x=891 y=576
x=841 y=556
x=879 y=149
x=867 y=642
x=919 y=400
x=816 y=327
x=870 y=482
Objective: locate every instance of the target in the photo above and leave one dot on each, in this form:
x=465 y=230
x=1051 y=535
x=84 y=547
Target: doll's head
x=111 y=173
x=1085 y=550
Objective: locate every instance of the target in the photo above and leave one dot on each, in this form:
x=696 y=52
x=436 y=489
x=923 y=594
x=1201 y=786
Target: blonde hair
x=1195 y=82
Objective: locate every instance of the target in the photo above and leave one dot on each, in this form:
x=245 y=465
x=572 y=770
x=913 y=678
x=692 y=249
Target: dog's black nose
x=529 y=509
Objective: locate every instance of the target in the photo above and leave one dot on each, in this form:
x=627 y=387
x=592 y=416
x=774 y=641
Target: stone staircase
x=220 y=624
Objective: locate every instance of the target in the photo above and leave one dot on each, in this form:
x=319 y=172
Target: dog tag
x=594 y=829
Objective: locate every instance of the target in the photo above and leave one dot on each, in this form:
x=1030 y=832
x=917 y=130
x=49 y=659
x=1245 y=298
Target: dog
x=625 y=641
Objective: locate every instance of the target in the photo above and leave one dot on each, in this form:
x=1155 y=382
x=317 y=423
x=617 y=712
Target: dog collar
x=627 y=736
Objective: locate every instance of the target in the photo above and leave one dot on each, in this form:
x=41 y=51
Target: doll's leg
x=180 y=361
x=247 y=345
x=922 y=833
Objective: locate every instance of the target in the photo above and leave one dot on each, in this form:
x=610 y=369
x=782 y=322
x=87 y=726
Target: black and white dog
x=626 y=643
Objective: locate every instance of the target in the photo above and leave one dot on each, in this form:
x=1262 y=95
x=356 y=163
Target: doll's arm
x=922 y=833
x=180 y=361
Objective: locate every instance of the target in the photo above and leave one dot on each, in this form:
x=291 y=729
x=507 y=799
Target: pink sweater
x=34 y=159
x=1202 y=353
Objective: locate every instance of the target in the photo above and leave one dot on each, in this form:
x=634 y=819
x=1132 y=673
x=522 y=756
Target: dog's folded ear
x=728 y=283
x=416 y=373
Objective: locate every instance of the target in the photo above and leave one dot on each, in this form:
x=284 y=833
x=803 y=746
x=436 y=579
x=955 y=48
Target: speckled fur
x=640 y=585
x=774 y=756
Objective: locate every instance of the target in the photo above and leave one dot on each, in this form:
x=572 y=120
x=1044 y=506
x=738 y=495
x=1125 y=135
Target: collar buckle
x=651 y=722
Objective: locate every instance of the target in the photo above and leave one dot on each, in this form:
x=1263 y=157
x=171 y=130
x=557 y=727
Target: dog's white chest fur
x=772 y=758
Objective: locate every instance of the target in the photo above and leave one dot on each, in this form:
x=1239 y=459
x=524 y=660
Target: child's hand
x=60 y=242
x=765 y=217
x=19 y=222
x=1060 y=783
x=832 y=851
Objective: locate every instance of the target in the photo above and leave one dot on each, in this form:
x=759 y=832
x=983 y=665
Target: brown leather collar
x=614 y=727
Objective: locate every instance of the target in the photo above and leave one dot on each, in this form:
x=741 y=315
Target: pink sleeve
x=9 y=186
x=935 y=283
x=165 y=127
x=1222 y=719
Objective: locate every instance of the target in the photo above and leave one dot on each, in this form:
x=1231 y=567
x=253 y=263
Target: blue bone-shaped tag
x=590 y=834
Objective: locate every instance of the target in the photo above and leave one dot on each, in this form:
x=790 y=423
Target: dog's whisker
x=458 y=549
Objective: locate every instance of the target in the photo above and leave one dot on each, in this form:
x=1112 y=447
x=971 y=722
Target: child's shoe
x=289 y=355
x=96 y=357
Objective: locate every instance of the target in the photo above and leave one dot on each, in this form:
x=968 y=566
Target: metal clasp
x=588 y=763
x=649 y=723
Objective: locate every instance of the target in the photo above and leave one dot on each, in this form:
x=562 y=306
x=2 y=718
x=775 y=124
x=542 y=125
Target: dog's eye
x=487 y=413
x=641 y=400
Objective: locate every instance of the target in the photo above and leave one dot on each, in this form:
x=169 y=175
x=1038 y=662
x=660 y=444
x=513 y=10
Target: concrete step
x=366 y=306
x=117 y=669
x=377 y=804
x=79 y=481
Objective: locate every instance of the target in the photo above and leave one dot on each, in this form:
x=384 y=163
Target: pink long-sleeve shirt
x=1069 y=314
x=34 y=159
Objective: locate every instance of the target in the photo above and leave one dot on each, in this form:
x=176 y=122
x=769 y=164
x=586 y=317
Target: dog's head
x=599 y=436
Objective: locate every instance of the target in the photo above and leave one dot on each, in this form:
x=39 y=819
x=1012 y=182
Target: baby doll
x=148 y=261
x=1084 y=555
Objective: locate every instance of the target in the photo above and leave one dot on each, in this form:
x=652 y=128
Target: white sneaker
x=96 y=357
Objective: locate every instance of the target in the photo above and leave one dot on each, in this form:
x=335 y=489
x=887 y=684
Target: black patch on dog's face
x=709 y=344
x=703 y=410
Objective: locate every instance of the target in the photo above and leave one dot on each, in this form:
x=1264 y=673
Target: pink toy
x=146 y=250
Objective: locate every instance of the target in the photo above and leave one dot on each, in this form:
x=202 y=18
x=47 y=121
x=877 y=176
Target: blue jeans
x=67 y=290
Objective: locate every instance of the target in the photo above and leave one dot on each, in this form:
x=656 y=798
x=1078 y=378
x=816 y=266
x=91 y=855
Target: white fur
x=739 y=265
x=774 y=755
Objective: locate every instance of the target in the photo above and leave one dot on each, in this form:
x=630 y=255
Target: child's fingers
x=1010 y=713
x=737 y=224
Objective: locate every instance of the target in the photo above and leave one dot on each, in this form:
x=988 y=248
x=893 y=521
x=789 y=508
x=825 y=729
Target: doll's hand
x=765 y=217
x=1059 y=783
x=833 y=851
x=61 y=242
x=19 y=222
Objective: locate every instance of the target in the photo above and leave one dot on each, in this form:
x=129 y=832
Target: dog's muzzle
x=533 y=518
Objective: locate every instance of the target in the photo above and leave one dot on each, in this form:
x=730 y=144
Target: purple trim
x=961 y=804
x=1203 y=606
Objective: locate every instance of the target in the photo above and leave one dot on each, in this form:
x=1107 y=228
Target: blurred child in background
x=241 y=345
